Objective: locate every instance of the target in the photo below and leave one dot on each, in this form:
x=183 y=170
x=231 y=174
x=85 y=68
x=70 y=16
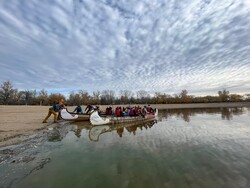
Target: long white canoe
x=96 y=119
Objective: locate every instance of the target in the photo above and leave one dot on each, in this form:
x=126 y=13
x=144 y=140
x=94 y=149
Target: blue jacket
x=55 y=107
x=128 y=113
x=78 y=109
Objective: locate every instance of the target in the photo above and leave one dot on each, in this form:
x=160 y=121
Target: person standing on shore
x=54 y=110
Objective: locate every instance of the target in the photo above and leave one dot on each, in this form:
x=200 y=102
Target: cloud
x=199 y=45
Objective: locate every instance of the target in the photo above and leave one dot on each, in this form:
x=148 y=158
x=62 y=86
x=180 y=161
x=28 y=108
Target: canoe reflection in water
x=96 y=131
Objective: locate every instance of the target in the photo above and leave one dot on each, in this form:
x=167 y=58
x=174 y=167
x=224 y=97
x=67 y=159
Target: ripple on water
x=197 y=149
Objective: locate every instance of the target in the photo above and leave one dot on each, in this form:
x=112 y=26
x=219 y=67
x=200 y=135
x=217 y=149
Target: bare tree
x=107 y=97
x=43 y=97
x=184 y=97
x=6 y=92
x=29 y=96
x=74 y=99
x=125 y=96
x=17 y=97
x=223 y=95
x=161 y=97
x=85 y=98
x=96 y=99
x=184 y=94
x=142 y=96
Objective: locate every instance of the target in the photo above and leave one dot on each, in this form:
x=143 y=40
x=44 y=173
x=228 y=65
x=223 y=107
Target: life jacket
x=131 y=112
x=148 y=108
x=107 y=111
x=118 y=112
x=138 y=111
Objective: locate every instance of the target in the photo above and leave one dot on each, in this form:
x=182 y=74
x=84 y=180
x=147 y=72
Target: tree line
x=12 y=96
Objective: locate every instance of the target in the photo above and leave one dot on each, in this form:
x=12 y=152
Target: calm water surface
x=185 y=148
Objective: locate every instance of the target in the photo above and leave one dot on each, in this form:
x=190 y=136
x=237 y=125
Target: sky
x=202 y=46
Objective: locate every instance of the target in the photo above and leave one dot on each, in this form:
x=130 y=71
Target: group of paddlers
x=60 y=105
x=129 y=111
x=119 y=111
x=88 y=109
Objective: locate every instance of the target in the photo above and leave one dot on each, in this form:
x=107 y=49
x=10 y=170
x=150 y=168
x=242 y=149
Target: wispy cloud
x=198 y=45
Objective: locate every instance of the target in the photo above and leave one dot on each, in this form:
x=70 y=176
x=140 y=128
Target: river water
x=183 y=148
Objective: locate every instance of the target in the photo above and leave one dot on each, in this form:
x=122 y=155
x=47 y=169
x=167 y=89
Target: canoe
x=96 y=119
x=70 y=116
x=64 y=114
x=97 y=130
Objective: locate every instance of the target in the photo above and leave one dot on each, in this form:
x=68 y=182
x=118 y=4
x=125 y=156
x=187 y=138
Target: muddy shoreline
x=21 y=159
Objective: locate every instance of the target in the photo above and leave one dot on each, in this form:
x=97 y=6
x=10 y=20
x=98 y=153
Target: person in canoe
x=89 y=108
x=78 y=110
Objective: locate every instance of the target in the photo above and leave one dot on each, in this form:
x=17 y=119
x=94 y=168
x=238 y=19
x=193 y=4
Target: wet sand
x=20 y=121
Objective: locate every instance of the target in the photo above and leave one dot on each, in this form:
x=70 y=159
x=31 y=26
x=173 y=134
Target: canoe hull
x=96 y=119
x=68 y=116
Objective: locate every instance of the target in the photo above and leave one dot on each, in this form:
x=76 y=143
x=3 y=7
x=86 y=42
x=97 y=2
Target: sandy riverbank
x=26 y=120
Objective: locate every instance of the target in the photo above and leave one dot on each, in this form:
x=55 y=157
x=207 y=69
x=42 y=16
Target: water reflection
x=208 y=152
x=96 y=131
x=57 y=134
x=186 y=114
x=78 y=127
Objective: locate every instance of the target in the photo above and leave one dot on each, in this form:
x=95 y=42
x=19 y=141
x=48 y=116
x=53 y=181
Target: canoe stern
x=95 y=119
